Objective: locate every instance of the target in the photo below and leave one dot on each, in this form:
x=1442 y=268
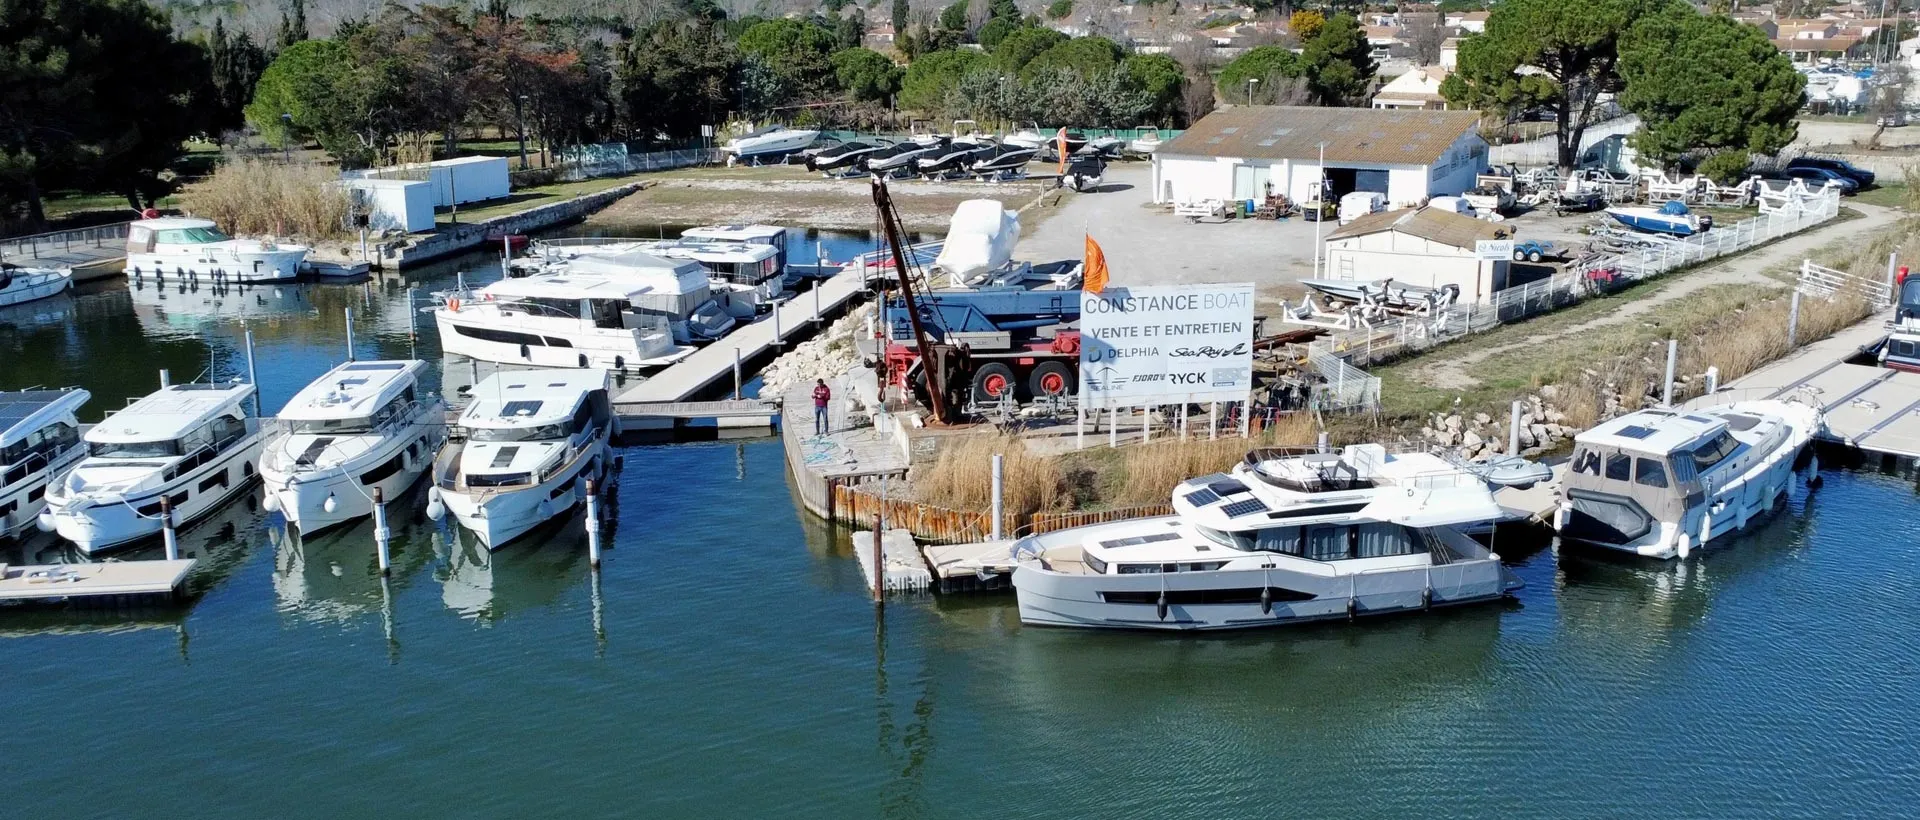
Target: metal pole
x=251 y=378
x=1213 y=420
x=1183 y=422
x=166 y=529
x=1513 y=431
x=1080 y=428
x=879 y=599
x=1673 y=352
x=381 y=534
x=1246 y=416
x=1793 y=321
x=1146 y=424
x=165 y=379
x=1319 y=202
x=816 y=305
x=593 y=526
x=1113 y=426
x=776 y=328
x=349 y=334
x=737 y=384
x=999 y=487
x=413 y=328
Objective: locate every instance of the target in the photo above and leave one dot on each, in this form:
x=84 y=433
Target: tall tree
x=866 y=75
x=929 y=78
x=293 y=24
x=796 y=50
x=1272 y=66
x=1575 y=48
x=1085 y=56
x=677 y=77
x=900 y=18
x=1339 y=62
x=236 y=63
x=1021 y=46
x=1707 y=82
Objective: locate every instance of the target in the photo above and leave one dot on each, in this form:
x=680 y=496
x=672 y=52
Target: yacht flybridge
x=361 y=427
x=39 y=442
x=1284 y=537
x=186 y=247
x=522 y=450
x=193 y=445
x=1660 y=483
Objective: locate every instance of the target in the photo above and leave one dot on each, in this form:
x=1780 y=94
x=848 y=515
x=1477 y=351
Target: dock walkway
x=91 y=252
x=111 y=578
x=710 y=364
x=1868 y=407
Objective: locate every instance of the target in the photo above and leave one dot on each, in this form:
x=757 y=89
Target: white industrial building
x=455 y=181
x=1249 y=152
x=405 y=205
x=1427 y=247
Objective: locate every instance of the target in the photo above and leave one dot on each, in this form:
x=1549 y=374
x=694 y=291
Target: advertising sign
x=1493 y=250
x=1168 y=344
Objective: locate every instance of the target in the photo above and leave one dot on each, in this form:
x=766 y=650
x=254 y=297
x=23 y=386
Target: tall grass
x=962 y=476
x=252 y=196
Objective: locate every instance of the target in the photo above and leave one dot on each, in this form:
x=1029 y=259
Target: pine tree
x=293 y=24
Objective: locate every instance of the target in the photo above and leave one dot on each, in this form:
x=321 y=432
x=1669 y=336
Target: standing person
x=821 y=395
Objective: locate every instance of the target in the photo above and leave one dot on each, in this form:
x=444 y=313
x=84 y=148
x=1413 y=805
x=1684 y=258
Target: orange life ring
x=453 y=304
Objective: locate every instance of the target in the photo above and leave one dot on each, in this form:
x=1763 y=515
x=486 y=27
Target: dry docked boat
x=195 y=445
x=1284 y=537
x=361 y=427
x=1659 y=483
x=186 y=247
x=39 y=442
x=522 y=450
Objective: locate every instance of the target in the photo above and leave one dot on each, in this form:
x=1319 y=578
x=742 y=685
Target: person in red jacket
x=821 y=395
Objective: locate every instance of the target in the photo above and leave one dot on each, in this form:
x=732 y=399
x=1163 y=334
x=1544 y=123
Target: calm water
x=727 y=662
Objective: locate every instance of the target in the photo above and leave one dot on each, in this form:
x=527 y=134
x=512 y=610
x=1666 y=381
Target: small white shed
x=1427 y=247
x=406 y=204
x=455 y=181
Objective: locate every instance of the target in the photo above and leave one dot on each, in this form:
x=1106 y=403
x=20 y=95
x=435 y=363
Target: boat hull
x=497 y=518
x=301 y=497
x=221 y=265
x=29 y=284
x=100 y=525
x=1652 y=223
x=608 y=351
x=24 y=500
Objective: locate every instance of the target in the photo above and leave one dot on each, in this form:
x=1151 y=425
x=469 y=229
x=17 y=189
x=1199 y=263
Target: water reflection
x=533 y=572
x=335 y=577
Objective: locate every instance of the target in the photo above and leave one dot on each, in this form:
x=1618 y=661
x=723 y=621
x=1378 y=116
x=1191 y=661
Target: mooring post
x=1793 y=321
x=776 y=329
x=1213 y=420
x=382 y=535
x=1513 y=430
x=816 y=305
x=166 y=529
x=251 y=378
x=593 y=526
x=1321 y=445
x=1673 y=353
x=1113 y=426
x=1713 y=380
x=879 y=599
x=349 y=312
x=737 y=383
x=999 y=487
x=166 y=379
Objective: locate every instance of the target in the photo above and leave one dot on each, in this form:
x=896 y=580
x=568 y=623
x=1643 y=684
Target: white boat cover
x=980 y=239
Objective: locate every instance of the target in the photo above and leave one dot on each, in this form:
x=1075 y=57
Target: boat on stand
x=39 y=442
x=19 y=285
x=196 y=248
x=362 y=427
x=1286 y=536
x=522 y=451
x=1661 y=483
x=193 y=446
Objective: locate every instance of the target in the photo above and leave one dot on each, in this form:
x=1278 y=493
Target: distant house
x=1419 y=88
x=1427 y=247
x=1473 y=21
x=1450 y=53
x=1815 y=49
x=1248 y=152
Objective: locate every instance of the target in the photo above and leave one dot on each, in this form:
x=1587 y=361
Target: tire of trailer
x=1051 y=379
x=992 y=381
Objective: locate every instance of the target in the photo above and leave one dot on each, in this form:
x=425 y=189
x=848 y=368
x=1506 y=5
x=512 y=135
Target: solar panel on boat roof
x=1697 y=419
x=374 y=366
x=1240 y=508
x=1636 y=431
x=514 y=408
x=1226 y=487
x=15 y=409
x=504 y=456
x=1202 y=497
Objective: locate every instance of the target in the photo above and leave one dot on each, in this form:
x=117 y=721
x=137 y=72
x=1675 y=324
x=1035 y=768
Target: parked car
x=1453 y=204
x=1817 y=177
x=1857 y=174
x=1896 y=119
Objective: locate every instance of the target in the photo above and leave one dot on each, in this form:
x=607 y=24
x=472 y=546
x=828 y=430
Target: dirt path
x=1453 y=372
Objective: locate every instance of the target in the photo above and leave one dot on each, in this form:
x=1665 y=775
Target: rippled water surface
x=727 y=663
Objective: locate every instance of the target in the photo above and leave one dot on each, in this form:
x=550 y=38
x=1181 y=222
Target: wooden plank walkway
x=715 y=361
x=57 y=581
x=1868 y=407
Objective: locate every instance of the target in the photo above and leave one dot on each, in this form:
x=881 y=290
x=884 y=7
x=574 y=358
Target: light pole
x=1251 y=82
x=1319 y=206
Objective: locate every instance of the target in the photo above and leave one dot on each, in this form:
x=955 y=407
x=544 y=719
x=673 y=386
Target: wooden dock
x=1867 y=407
x=51 y=582
x=710 y=364
x=93 y=253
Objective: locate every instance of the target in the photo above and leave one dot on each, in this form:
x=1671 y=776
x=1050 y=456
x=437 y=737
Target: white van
x=1360 y=203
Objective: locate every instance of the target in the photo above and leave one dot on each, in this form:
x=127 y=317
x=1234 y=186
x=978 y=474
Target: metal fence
x=20 y=249
x=1826 y=283
x=1361 y=346
x=1347 y=387
x=613 y=159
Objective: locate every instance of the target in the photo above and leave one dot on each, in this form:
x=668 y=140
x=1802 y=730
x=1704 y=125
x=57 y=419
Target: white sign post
x=1170 y=344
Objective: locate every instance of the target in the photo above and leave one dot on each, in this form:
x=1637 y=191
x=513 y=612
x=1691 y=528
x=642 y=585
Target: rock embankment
x=824 y=356
x=1480 y=436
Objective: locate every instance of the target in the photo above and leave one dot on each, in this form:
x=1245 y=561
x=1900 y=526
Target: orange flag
x=1095 y=268
x=1060 y=141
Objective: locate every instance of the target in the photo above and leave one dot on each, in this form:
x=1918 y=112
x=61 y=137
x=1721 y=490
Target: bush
x=253 y=196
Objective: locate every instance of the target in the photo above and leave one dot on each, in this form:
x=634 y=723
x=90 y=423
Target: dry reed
x=962 y=476
x=249 y=196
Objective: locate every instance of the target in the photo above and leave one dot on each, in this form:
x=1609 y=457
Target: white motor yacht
x=768 y=144
x=522 y=449
x=195 y=445
x=195 y=248
x=18 y=284
x=746 y=280
x=360 y=427
x=1661 y=483
x=39 y=442
x=1285 y=537
x=572 y=320
x=674 y=289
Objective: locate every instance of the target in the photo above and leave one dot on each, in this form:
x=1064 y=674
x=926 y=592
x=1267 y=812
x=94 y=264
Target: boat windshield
x=332 y=427
x=545 y=432
x=189 y=236
x=134 y=449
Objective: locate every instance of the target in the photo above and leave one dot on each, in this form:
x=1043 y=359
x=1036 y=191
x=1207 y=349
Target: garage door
x=1370 y=181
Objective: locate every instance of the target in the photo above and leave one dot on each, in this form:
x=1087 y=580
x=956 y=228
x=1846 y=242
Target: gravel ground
x=791 y=196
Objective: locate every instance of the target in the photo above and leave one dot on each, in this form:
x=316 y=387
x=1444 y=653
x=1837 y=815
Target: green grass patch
x=1886 y=195
x=526 y=198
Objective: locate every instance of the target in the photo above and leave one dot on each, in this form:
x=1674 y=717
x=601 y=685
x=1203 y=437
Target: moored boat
x=21 y=284
x=522 y=451
x=196 y=248
x=39 y=442
x=362 y=426
x=569 y=320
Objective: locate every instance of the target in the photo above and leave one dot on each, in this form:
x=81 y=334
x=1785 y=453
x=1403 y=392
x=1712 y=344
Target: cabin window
x=1328 y=543
x=1230 y=540
x=605 y=313
x=1098 y=566
x=1137 y=569
x=380 y=473
x=1283 y=540
x=1904 y=349
x=189 y=236
x=1379 y=540
x=134 y=449
x=43 y=443
x=542 y=306
x=1649 y=472
x=545 y=432
x=499 y=479
x=218 y=479
x=1619 y=467
x=332 y=427
x=1202 y=566
x=1586 y=461
x=1713 y=451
